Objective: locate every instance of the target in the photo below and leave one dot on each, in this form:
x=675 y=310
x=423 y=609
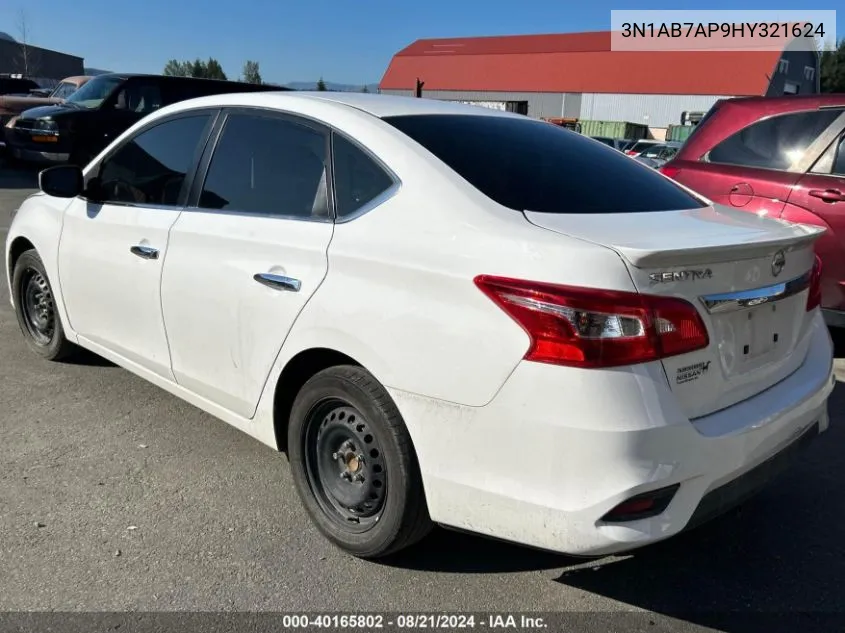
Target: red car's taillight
x=586 y=327
x=814 y=298
x=669 y=170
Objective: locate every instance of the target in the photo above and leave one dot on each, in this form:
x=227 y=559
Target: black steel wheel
x=38 y=307
x=35 y=308
x=354 y=465
x=345 y=465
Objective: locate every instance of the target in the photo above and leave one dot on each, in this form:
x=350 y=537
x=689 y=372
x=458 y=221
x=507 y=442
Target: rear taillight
x=814 y=298
x=630 y=152
x=587 y=327
x=669 y=170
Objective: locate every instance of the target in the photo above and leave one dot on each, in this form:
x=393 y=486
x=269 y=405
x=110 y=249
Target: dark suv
x=93 y=116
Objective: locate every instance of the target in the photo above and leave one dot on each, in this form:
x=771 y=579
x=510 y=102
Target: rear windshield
x=641 y=146
x=713 y=109
x=530 y=165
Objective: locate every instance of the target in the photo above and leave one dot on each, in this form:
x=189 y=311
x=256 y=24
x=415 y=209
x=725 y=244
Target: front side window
x=269 y=166
x=773 y=143
x=357 y=177
x=151 y=167
x=93 y=93
x=529 y=165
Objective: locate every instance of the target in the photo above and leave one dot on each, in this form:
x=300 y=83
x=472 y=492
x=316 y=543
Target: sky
x=344 y=41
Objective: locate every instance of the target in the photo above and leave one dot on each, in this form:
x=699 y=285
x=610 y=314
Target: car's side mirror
x=61 y=181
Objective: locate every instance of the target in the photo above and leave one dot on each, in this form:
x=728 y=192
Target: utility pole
x=418 y=91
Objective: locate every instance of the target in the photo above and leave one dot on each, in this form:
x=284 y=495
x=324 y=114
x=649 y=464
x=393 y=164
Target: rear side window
x=529 y=165
x=357 y=177
x=268 y=166
x=141 y=97
x=773 y=143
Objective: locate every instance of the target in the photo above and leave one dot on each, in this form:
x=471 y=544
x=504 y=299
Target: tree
x=251 y=73
x=28 y=57
x=175 y=68
x=210 y=69
x=213 y=69
x=321 y=85
x=832 y=66
x=365 y=89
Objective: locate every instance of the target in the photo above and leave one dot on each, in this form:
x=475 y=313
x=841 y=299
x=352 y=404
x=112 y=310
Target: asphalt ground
x=116 y=496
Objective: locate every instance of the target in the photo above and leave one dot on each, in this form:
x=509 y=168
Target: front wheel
x=35 y=308
x=354 y=466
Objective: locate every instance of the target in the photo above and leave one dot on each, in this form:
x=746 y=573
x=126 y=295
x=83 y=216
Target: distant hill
x=93 y=72
x=330 y=85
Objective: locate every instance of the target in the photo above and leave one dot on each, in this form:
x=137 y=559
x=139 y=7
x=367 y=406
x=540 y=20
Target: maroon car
x=783 y=157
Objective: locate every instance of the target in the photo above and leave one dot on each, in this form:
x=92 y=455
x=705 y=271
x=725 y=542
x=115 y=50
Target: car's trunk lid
x=723 y=262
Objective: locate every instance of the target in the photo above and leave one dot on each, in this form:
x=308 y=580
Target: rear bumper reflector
x=642 y=506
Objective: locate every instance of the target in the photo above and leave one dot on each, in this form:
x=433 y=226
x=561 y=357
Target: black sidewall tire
x=59 y=347
x=404 y=519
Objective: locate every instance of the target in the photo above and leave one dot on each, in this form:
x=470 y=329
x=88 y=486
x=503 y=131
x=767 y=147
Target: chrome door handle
x=147 y=252
x=279 y=282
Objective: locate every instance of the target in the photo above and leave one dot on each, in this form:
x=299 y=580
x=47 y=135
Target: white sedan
x=442 y=314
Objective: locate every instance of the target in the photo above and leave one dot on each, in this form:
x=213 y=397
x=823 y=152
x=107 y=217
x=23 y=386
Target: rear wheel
x=354 y=465
x=35 y=308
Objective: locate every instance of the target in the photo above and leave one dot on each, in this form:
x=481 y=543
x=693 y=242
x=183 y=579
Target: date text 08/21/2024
x=766 y=30
x=414 y=621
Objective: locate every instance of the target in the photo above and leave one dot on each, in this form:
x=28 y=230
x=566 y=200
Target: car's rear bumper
x=556 y=449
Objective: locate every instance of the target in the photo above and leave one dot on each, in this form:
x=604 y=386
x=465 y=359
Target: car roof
x=375 y=104
x=389 y=105
x=728 y=116
x=787 y=102
x=125 y=76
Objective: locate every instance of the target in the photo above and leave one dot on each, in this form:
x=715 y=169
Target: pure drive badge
x=691 y=372
x=681 y=275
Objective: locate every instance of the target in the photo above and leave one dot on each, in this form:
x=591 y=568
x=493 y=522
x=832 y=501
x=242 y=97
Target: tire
x=36 y=310
x=343 y=426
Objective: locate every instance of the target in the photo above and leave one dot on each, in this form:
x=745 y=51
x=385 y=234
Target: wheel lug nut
x=335 y=455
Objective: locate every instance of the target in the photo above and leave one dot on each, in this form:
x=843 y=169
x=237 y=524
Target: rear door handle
x=147 y=252
x=828 y=195
x=279 y=282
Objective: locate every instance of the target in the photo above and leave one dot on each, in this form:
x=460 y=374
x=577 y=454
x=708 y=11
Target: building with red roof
x=577 y=75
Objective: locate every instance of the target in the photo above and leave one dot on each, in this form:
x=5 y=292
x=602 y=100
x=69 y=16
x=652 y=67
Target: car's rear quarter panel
x=399 y=296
